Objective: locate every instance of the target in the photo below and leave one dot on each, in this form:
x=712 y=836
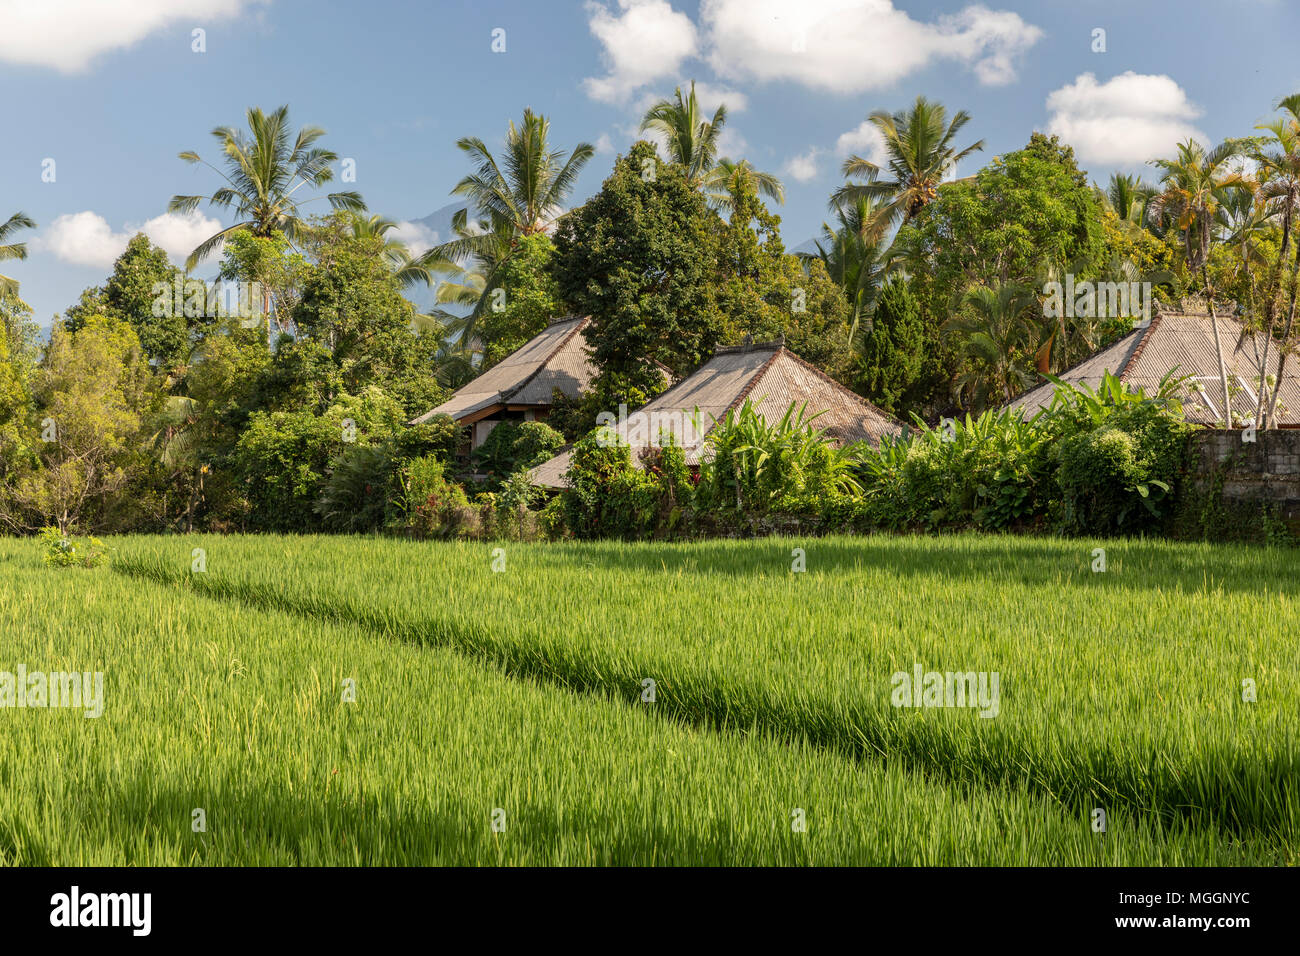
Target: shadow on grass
x=1131 y=563
x=1216 y=784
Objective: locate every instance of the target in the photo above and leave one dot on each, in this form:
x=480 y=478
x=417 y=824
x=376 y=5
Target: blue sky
x=112 y=90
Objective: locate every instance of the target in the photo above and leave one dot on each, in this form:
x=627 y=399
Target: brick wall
x=1265 y=471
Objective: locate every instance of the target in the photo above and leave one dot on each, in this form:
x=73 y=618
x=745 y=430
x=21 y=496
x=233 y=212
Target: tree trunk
x=1286 y=337
x=1218 y=348
x=1263 y=409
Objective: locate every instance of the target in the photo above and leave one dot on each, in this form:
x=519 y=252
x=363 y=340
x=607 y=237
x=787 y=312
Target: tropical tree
x=1128 y=196
x=520 y=195
x=995 y=334
x=690 y=139
x=1193 y=192
x=529 y=185
x=726 y=182
x=406 y=268
x=263 y=174
x=856 y=257
x=920 y=151
x=12 y=250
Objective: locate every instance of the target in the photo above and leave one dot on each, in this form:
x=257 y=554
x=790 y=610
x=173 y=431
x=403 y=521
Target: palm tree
x=857 y=259
x=728 y=179
x=690 y=139
x=919 y=146
x=1127 y=196
x=523 y=195
x=263 y=173
x=1278 y=158
x=12 y=250
x=529 y=191
x=1193 y=193
x=406 y=269
x=995 y=334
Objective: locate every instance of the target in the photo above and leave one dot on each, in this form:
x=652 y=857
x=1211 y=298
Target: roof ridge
x=745 y=391
x=773 y=344
x=1142 y=344
x=581 y=324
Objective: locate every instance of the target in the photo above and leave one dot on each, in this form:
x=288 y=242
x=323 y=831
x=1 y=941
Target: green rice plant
x=231 y=735
x=1121 y=688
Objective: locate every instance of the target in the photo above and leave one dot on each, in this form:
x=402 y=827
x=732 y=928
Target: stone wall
x=1263 y=472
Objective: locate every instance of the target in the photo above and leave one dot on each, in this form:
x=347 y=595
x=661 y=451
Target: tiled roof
x=1183 y=342
x=555 y=358
x=769 y=375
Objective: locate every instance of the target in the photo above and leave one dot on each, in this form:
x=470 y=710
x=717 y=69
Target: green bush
x=283 y=457
x=608 y=497
x=354 y=497
x=516 y=446
x=427 y=505
x=63 y=551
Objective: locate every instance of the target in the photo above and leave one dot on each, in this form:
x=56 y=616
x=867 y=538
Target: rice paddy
x=343 y=701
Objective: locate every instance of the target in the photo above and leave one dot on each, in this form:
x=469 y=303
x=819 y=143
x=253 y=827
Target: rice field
x=337 y=701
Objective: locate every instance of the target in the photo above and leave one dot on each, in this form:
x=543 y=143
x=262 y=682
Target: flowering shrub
x=63 y=551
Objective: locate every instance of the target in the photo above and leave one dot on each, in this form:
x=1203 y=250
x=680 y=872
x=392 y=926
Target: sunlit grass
x=239 y=711
x=1120 y=690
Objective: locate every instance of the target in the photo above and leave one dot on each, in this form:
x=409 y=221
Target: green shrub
x=427 y=505
x=515 y=446
x=608 y=497
x=354 y=496
x=64 y=551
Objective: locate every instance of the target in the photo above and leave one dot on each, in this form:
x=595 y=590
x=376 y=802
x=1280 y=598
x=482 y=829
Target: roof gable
x=769 y=375
x=554 y=358
x=1183 y=343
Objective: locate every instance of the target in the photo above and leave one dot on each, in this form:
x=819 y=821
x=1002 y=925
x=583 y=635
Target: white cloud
x=604 y=144
x=865 y=140
x=86 y=238
x=82 y=238
x=731 y=144
x=179 y=234
x=1126 y=121
x=803 y=167
x=418 y=237
x=68 y=34
x=848 y=46
x=645 y=41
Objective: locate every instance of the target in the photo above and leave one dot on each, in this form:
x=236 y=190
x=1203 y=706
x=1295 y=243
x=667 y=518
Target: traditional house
x=769 y=375
x=1183 y=343
x=520 y=387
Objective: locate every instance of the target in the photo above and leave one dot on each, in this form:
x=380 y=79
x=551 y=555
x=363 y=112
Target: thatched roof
x=1183 y=342
x=769 y=375
x=555 y=358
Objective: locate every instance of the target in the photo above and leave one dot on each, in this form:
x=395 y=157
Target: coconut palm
x=521 y=195
x=406 y=268
x=690 y=139
x=1193 y=192
x=919 y=146
x=995 y=334
x=1127 y=196
x=263 y=173
x=528 y=187
x=12 y=250
x=856 y=257
x=728 y=179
